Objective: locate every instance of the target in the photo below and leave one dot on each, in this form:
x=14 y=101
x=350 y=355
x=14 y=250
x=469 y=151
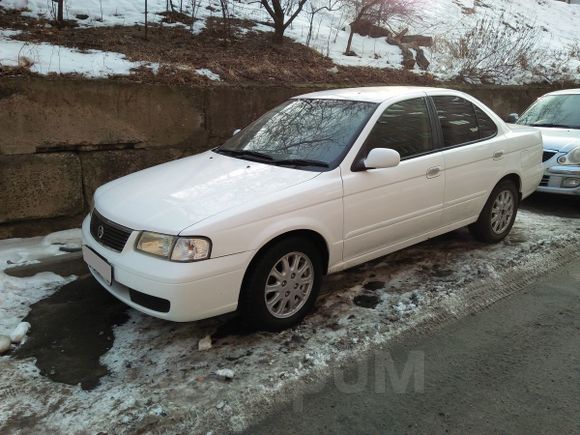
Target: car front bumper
x=173 y=291
x=561 y=179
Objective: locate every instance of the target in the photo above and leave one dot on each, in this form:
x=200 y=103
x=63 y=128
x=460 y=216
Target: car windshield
x=308 y=133
x=554 y=111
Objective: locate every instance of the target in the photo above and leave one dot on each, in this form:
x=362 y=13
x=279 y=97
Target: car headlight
x=572 y=158
x=174 y=248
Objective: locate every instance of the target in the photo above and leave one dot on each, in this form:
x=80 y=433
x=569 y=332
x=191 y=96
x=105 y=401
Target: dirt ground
x=93 y=365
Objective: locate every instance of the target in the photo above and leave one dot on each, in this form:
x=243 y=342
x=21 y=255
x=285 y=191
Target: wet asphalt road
x=513 y=368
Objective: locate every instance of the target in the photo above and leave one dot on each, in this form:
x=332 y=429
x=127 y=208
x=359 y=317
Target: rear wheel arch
x=516 y=179
x=483 y=229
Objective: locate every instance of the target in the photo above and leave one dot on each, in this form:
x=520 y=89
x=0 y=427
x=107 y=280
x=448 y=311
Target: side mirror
x=512 y=118
x=382 y=158
x=236 y=131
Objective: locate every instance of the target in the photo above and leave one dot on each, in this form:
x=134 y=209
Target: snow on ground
x=17 y=294
x=160 y=381
x=208 y=73
x=47 y=58
x=552 y=23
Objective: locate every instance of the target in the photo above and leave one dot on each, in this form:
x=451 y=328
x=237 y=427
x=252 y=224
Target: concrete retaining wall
x=61 y=139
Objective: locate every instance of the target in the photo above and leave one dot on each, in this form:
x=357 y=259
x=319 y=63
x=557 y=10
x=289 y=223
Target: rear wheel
x=281 y=285
x=498 y=215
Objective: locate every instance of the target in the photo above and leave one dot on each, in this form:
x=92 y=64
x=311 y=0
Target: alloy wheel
x=289 y=284
x=502 y=211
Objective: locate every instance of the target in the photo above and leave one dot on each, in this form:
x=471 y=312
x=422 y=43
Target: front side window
x=405 y=127
x=314 y=133
x=554 y=111
x=458 y=120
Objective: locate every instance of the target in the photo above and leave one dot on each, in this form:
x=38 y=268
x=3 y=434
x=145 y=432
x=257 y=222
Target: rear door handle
x=498 y=155
x=433 y=172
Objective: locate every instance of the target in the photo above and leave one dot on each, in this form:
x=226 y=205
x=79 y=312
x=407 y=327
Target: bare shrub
x=491 y=51
x=378 y=12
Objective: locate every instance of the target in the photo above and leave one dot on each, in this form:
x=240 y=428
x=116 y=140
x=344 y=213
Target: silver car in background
x=557 y=115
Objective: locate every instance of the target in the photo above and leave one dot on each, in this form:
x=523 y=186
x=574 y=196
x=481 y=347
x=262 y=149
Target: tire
x=270 y=276
x=498 y=216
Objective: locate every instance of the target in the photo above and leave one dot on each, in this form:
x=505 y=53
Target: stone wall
x=61 y=139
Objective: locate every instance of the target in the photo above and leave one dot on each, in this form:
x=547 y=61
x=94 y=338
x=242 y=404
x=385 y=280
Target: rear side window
x=487 y=127
x=404 y=127
x=458 y=120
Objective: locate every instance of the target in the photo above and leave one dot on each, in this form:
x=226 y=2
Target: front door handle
x=498 y=155
x=433 y=172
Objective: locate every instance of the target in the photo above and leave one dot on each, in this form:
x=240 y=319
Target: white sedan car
x=557 y=115
x=324 y=182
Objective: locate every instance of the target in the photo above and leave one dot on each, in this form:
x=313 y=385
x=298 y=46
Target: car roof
x=566 y=92
x=373 y=94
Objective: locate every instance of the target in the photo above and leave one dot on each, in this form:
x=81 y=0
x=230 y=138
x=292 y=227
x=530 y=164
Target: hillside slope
x=472 y=40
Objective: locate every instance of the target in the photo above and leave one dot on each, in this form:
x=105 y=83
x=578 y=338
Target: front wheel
x=498 y=215
x=281 y=285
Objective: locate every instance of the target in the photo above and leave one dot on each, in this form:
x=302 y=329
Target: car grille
x=108 y=233
x=548 y=155
x=545 y=180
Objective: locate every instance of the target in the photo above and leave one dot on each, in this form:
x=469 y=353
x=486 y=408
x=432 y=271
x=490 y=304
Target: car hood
x=173 y=196
x=560 y=139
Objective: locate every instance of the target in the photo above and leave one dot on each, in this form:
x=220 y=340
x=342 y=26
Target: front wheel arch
x=312 y=236
x=251 y=303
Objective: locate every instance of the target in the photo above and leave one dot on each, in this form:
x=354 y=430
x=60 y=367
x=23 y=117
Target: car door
x=387 y=209
x=470 y=154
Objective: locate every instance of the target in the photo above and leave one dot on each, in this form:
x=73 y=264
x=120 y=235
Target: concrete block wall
x=61 y=139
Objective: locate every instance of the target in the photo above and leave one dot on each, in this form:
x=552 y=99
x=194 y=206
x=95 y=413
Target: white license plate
x=98 y=264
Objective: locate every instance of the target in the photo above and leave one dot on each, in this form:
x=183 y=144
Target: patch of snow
x=45 y=58
x=19 y=333
x=17 y=294
x=226 y=374
x=7 y=33
x=204 y=343
x=208 y=73
x=5 y=343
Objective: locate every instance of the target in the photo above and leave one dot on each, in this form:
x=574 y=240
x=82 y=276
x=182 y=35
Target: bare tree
x=146 y=20
x=195 y=4
x=283 y=12
x=226 y=17
x=330 y=5
x=59 y=11
x=377 y=12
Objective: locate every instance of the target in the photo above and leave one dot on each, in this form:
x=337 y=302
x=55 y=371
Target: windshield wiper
x=245 y=153
x=269 y=159
x=301 y=162
x=540 y=124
